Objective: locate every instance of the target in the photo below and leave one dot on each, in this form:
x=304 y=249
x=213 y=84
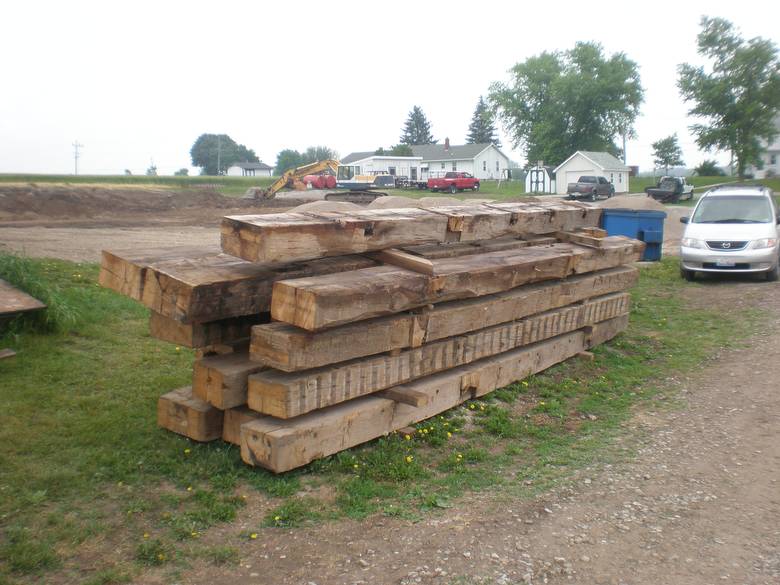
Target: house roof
x=354 y=156
x=603 y=160
x=436 y=152
x=257 y=166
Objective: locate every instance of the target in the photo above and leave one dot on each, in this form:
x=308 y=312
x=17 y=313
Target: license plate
x=725 y=263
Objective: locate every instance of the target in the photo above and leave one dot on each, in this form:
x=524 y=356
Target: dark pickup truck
x=591 y=188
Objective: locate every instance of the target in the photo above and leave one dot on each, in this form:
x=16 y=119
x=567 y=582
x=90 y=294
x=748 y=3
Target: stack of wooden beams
x=319 y=331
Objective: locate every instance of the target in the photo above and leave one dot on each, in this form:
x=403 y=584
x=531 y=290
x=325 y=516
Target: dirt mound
x=315 y=206
x=641 y=202
x=41 y=201
x=394 y=202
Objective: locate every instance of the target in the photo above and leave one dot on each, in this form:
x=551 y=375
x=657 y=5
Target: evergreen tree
x=417 y=129
x=482 y=129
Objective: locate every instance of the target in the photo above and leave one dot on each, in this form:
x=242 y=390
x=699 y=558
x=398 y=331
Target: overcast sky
x=140 y=81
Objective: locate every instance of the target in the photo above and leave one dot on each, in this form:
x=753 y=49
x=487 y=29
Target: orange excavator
x=354 y=187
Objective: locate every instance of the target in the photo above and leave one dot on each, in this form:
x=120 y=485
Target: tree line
x=557 y=103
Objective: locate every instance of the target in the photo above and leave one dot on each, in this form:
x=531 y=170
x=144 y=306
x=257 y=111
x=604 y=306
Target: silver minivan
x=733 y=228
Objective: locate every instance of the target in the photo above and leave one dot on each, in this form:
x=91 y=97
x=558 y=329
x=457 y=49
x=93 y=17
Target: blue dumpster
x=644 y=225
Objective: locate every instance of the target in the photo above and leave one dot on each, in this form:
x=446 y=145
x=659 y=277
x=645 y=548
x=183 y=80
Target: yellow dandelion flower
x=195 y=534
x=178 y=348
x=525 y=383
x=472 y=407
x=161 y=557
x=446 y=424
x=146 y=535
x=482 y=407
x=408 y=437
x=449 y=435
x=189 y=488
x=542 y=403
x=409 y=458
x=253 y=535
x=243 y=496
x=277 y=518
x=356 y=465
x=186 y=451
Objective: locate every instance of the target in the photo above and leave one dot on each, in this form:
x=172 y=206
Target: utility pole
x=76 y=155
x=624 y=147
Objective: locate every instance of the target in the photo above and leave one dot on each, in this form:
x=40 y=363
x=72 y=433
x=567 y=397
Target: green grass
x=83 y=461
x=231 y=186
x=639 y=184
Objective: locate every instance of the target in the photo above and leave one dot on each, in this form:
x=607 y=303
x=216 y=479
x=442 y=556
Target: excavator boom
x=297 y=173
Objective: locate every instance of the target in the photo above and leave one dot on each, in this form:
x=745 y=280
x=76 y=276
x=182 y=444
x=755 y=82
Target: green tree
x=182 y=172
x=709 y=168
x=417 y=129
x=287 y=159
x=667 y=153
x=558 y=103
x=482 y=129
x=214 y=153
x=738 y=98
x=315 y=153
x=151 y=171
x=397 y=150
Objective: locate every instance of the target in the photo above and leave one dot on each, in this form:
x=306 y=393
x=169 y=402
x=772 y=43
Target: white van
x=733 y=228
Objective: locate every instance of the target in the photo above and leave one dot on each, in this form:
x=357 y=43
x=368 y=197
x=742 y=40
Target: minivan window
x=733 y=209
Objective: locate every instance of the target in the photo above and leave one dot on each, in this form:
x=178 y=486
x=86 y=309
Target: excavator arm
x=290 y=175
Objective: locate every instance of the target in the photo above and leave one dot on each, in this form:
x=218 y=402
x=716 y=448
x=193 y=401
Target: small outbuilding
x=250 y=169
x=599 y=164
x=540 y=179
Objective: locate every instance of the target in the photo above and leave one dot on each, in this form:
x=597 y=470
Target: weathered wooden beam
x=326 y=301
x=124 y=271
x=222 y=380
x=299 y=236
x=180 y=412
x=403 y=259
x=234 y=418
x=287 y=237
x=286 y=395
x=581 y=239
x=405 y=395
x=203 y=335
x=284 y=445
x=285 y=347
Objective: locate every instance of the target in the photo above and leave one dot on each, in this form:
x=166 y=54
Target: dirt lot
x=76 y=222
x=698 y=504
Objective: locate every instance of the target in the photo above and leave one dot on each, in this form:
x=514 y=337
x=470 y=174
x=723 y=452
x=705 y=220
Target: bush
x=27 y=275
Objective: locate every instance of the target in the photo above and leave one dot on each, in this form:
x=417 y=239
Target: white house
x=600 y=164
x=540 y=179
x=484 y=161
x=770 y=159
x=370 y=163
x=250 y=169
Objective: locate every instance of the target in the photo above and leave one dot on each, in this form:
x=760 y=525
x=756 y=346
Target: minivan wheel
x=771 y=276
x=688 y=275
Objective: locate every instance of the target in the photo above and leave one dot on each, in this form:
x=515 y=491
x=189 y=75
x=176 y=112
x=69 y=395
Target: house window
x=484 y=165
x=454 y=166
x=620 y=177
x=612 y=177
x=496 y=166
x=391 y=170
x=442 y=165
x=773 y=160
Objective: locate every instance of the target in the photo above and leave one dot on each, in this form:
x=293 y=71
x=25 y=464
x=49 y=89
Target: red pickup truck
x=454 y=182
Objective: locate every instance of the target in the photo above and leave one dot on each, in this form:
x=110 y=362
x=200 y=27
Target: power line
x=76 y=155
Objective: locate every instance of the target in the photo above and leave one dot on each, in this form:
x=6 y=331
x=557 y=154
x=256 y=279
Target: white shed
x=540 y=179
x=600 y=164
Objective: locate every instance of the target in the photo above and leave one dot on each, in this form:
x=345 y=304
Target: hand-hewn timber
x=316 y=303
x=203 y=335
x=124 y=271
x=222 y=380
x=180 y=412
x=287 y=237
x=14 y=301
x=234 y=418
x=286 y=395
x=281 y=445
x=284 y=347
x=301 y=236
